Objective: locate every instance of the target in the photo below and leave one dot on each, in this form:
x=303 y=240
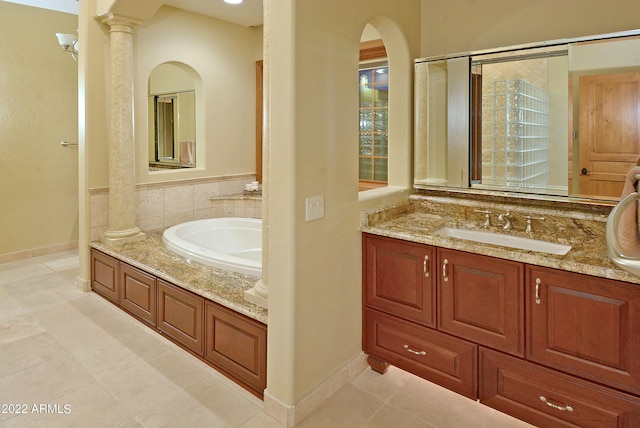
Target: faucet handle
x=487 y=216
x=529 y=218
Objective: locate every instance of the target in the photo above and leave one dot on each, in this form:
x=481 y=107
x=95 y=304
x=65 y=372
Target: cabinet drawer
x=399 y=278
x=481 y=299
x=138 y=293
x=104 y=276
x=548 y=398
x=237 y=345
x=440 y=358
x=181 y=316
x=586 y=326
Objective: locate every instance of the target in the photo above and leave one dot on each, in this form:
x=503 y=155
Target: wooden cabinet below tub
x=234 y=344
x=181 y=316
x=237 y=345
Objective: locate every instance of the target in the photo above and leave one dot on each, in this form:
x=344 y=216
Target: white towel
x=629 y=224
x=186 y=152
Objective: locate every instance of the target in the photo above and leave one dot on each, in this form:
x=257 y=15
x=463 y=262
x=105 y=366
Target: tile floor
x=69 y=358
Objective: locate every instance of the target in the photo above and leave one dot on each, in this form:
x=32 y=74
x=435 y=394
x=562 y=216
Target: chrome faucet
x=506 y=218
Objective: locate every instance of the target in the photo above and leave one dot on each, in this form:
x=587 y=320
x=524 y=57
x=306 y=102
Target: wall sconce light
x=69 y=44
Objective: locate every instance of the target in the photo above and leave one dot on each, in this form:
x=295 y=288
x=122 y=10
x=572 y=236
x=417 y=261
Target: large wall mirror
x=554 y=118
x=172 y=117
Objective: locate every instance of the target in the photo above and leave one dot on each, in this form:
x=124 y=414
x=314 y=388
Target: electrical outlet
x=314 y=208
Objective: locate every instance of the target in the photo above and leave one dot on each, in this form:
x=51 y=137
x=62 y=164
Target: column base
x=119 y=240
x=252 y=296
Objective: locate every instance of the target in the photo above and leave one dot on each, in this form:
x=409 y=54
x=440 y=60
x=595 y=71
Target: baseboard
x=290 y=415
x=35 y=252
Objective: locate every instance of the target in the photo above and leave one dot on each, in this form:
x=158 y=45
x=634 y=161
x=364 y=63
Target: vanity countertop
x=418 y=219
x=221 y=286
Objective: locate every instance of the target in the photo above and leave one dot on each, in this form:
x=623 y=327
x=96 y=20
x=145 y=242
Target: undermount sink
x=519 y=242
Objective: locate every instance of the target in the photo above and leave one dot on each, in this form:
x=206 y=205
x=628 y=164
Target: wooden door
x=138 y=293
x=104 y=276
x=399 y=278
x=181 y=316
x=609 y=131
x=586 y=326
x=481 y=299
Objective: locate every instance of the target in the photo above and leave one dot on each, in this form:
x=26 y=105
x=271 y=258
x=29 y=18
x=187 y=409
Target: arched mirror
x=172 y=117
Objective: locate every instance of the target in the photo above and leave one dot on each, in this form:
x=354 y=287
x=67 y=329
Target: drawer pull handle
x=414 y=352
x=538 y=291
x=555 y=406
x=444 y=270
x=425 y=266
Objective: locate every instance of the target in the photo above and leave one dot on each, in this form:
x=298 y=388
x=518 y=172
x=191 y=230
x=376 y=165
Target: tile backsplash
x=161 y=205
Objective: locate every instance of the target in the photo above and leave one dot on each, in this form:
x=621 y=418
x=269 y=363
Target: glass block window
x=374 y=123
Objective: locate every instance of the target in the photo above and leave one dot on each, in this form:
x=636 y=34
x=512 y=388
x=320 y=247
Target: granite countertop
x=221 y=286
x=417 y=220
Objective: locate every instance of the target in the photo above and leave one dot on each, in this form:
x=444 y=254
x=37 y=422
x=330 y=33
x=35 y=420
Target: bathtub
x=230 y=243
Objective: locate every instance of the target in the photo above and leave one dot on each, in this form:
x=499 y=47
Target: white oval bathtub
x=231 y=243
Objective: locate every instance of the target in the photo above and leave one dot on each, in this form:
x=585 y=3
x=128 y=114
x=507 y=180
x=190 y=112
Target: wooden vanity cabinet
x=399 y=299
x=138 y=293
x=181 y=316
x=586 y=326
x=105 y=276
x=548 y=398
x=480 y=299
x=237 y=345
x=400 y=278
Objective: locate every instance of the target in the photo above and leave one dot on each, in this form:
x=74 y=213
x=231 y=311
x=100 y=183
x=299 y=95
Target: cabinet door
x=104 y=276
x=548 y=398
x=237 y=345
x=399 y=278
x=437 y=357
x=138 y=293
x=181 y=316
x=584 y=325
x=481 y=299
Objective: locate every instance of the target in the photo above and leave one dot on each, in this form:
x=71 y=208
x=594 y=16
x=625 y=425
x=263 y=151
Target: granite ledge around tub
x=221 y=286
x=417 y=220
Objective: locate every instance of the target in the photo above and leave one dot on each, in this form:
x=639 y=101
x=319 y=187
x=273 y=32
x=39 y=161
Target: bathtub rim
x=193 y=252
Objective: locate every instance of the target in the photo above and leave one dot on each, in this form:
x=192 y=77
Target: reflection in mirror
x=172 y=123
x=519 y=121
x=554 y=118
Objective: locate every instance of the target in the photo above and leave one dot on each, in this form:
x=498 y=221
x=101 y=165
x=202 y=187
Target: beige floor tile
x=58 y=315
x=10 y=274
x=89 y=406
x=44 y=383
x=349 y=407
x=381 y=386
x=233 y=405
x=182 y=411
x=140 y=387
x=180 y=367
x=28 y=352
x=390 y=416
x=36 y=284
x=261 y=420
x=18 y=327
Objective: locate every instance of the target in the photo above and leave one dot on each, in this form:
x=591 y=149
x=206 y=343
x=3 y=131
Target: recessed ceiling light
x=233 y=1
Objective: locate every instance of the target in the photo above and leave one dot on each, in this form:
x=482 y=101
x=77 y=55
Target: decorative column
x=122 y=197
x=259 y=294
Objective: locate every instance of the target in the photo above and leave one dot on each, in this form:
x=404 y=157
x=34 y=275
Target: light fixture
x=233 y=1
x=69 y=43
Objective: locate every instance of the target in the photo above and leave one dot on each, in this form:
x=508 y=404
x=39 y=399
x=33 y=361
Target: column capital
x=120 y=22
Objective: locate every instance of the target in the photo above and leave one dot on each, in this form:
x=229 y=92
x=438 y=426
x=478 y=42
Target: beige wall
x=38 y=110
x=464 y=25
x=314 y=267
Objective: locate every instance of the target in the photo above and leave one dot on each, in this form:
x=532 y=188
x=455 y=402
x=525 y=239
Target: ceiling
x=247 y=14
